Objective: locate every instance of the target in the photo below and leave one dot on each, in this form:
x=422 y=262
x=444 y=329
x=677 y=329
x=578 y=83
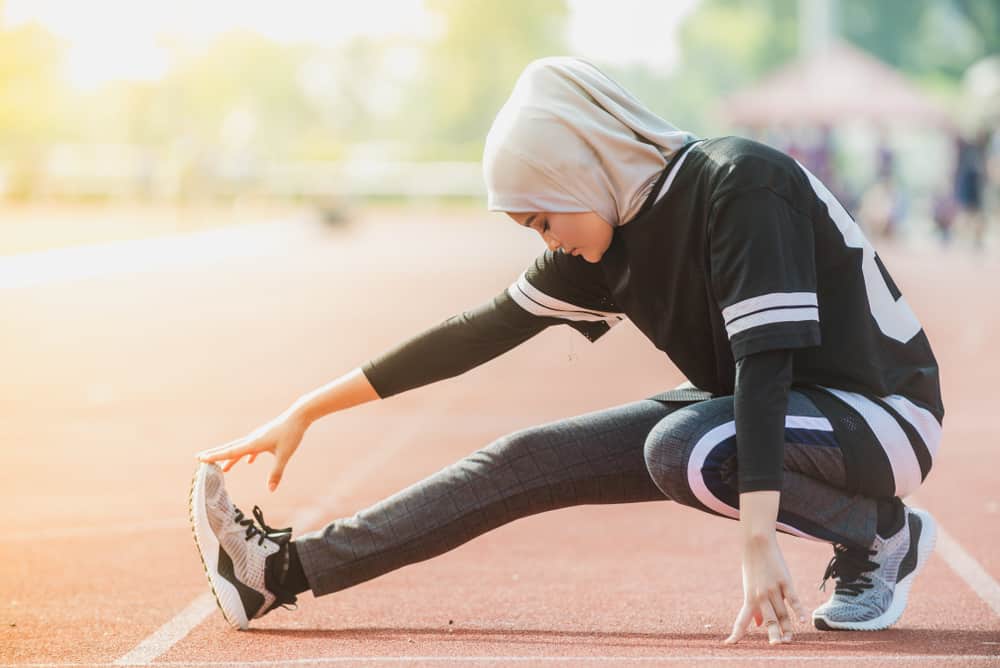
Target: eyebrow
x=527 y=223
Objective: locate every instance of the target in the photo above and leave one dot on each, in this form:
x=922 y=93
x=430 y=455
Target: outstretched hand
x=281 y=437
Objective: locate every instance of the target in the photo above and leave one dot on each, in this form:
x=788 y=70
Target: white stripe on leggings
x=922 y=420
x=892 y=438
x=717 y=435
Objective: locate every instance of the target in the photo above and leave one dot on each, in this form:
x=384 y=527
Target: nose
x=550 y=241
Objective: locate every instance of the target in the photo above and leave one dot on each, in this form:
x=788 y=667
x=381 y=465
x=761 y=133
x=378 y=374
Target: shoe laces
x=848 y=566
x=263 y=531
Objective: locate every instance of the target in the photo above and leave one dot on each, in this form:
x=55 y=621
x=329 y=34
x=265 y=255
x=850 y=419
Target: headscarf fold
x=570 y=139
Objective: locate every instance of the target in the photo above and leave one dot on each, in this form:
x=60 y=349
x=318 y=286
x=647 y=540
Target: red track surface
x=111 y=384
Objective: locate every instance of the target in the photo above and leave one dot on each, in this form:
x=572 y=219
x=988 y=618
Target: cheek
x=601 y=236
x=563 y=231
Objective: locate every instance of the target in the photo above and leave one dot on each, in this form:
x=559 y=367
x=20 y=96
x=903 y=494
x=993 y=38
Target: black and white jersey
x=744 y=250
x=739 y=249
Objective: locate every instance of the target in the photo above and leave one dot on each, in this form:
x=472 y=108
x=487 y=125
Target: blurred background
x=261 y=195
x=122 y=119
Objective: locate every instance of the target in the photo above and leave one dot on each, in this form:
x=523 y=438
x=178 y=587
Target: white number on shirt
x=893 y=316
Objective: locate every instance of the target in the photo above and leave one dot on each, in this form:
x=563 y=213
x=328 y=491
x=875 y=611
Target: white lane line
x=735 y=657
x=969 y=570
x=179 y=251
x=176 y=629
x=171 y=632
x=168 y=635
x=965 y=565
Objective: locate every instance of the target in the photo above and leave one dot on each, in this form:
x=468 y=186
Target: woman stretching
x=812 y=404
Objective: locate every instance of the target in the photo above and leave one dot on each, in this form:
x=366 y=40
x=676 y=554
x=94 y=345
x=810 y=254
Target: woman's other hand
x=281 y=437
x=769 y=596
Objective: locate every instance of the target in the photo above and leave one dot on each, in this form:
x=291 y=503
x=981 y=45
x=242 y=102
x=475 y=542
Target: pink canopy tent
x=830 y=86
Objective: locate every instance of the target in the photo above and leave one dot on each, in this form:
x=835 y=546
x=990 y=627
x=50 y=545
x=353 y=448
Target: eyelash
x=545 y=227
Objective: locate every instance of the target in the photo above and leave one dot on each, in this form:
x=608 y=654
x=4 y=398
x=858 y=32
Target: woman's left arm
x=763 y=381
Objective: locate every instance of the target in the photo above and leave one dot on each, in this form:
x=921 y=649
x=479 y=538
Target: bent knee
x=666 y=454
x=670 y=446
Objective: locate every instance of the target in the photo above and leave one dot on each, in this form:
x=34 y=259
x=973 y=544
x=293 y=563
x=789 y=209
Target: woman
x=812 y=406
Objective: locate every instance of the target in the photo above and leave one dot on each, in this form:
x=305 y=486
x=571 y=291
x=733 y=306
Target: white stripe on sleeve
x=769 y=300
x=534 y=301
x=774 y=315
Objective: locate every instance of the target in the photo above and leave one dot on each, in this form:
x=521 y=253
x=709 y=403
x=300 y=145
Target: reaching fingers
x=774 y=634
x=741 y=625
x=223 y=451
x=788 y=592
x=277 y=471
x=781 y=614
x=231 y=463
x=232 y=451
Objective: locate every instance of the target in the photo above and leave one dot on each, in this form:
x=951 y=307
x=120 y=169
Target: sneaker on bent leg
x=873 y=585
x=245 y=563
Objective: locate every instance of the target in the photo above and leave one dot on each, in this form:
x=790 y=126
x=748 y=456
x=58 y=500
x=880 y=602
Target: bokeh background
x=209 y=208
x=124 y=119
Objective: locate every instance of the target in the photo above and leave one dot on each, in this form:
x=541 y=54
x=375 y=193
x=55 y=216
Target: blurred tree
x=727 y=44
x=33 y=107
x=471 y=70
x=239 y=70
x=724 y=45
x=923 y=37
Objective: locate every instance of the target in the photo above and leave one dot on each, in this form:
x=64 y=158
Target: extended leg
x=594 y=458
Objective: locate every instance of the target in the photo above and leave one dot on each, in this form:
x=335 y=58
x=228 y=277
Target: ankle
x=294 y=581
x=891 y=514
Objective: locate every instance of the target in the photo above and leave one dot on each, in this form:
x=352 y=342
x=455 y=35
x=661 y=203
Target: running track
x=129 y=358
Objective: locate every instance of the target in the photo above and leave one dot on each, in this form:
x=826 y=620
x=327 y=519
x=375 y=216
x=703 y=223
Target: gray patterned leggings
x=645 y=450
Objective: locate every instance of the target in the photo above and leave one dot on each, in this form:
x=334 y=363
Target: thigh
x=692 y=456
x=703 y=436
x=594 y=457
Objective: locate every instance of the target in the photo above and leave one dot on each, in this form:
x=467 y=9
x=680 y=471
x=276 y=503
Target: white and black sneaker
x=873 y=584
x=245 y=563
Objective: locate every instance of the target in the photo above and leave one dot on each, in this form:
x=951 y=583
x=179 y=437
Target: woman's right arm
x=538 y=299
x=447 y=349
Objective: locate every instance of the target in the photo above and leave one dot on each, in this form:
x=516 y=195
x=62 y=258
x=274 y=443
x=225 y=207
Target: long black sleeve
x=555 y=289
x=453 y=346
x=763 y=381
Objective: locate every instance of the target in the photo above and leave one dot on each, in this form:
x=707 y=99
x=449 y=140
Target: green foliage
x=471 y=70
x=923 y=37
x=297 y=102
x=31 y=89
x=239 y=71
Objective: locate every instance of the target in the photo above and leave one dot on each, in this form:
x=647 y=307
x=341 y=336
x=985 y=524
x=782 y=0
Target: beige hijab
x=569 y=139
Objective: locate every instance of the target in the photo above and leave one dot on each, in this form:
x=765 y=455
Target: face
x=585 y=234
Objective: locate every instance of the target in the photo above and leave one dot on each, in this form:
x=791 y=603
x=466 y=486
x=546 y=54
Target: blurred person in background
x=882 y=204
x=970 y=183
x=812 y=403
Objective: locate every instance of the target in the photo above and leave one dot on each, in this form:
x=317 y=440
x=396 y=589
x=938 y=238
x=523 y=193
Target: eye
x=545 y=227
